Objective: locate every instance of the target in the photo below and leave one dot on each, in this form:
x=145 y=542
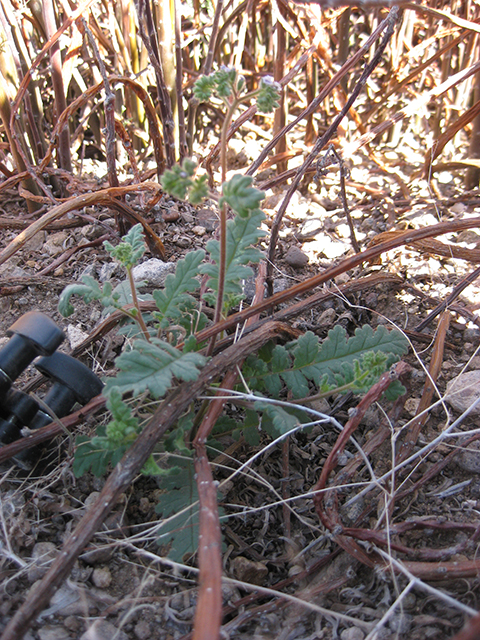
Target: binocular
x=71 y=382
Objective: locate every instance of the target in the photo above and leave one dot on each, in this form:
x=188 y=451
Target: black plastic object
x=34 y=334
x=73 y=382
x=18 y=409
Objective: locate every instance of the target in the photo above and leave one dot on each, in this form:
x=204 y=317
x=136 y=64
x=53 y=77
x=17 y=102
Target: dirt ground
x=121 y=588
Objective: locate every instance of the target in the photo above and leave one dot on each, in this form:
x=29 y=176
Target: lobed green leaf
x=240 y=195
x=151 y=366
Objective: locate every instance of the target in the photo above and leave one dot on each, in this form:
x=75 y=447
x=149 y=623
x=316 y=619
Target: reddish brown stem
x=65 y=161
x=321 y=142
x=369 y=254
x=125 y=472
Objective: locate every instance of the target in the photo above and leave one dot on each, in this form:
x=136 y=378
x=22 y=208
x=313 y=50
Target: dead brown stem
x=208 y=613
x=404 y=238
x=125 y=472
x=389 y=24
x=103 y=196
x=413 y=431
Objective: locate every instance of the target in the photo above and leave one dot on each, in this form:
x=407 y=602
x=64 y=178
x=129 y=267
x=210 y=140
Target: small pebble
x=183 y=242
x=103 y=630
x=198 y=230
x=53 y=632
x=327 y=318
x=43 y=554
x=143 y=630
x=68 y=601
x=101 y=577
x=207 y=218
x=353 y=633
x=249 y=570
x=107 y=270
x=463 y=391
x=90 y=270
x=296 y=258
x=72 y=623
x=75 y=335
x=411 y=406
x=187 y=217
x=172 y=215
x=400 y=623
x=144 y=505
x=55 y=243
x=468 y=459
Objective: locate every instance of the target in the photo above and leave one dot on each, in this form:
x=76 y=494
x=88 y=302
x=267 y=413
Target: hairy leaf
x=177 y=180
x=123 y=427
x=174 y=294
x=276 y=420
x=225 y=79
x=240 y=195
x=203 y=88
x=339 y=363
x=130 y=250
x=198 y=190
x=152 y=366
x=269 y=95
x=178 y=507
x=241 y=234
x=96 y=454
x=90 y=290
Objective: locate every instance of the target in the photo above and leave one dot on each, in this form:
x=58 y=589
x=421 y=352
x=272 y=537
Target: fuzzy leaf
x=241 y=234
x=225 y=79
x=338 y=349
x=276 y=420
x=130 y=250
x=179 y=504
x=95 y=454
x=90 y=290
x=176 y=286
x=339 y=361
x=199 y=190
x=240 y=195
x=177 y=180
x=123 y=427
x=152 y=366
x=203 y=88
x=269 y=95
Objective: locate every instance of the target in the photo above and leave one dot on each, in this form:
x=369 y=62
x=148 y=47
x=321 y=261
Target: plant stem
x=138 y=317
x=223 y=214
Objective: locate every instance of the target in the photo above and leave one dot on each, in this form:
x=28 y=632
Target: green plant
x=238 y=193
x=152 y=360
x=303 y=367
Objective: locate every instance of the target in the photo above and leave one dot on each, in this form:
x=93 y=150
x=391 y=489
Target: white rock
x=102 y=577
x=352 y=633
x=463 y=391
x=323 y=244
x=153 y=271
x=75 y=335
x=67 y=601
x=53 y=632
x=103 y=630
